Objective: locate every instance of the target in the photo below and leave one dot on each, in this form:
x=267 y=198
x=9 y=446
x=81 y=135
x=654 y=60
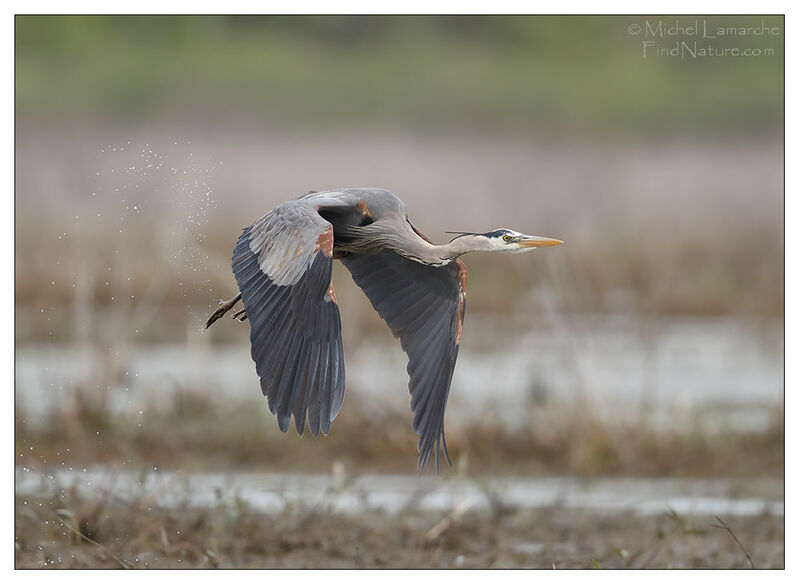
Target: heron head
x=509 y=241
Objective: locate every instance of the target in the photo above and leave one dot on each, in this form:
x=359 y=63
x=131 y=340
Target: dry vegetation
x=196 y=435
x=113 y=279
x=76 y=529
x=102 y=256
x=68 y=531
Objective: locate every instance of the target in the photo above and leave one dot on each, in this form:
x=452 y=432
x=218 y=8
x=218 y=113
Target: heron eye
x=506 y=238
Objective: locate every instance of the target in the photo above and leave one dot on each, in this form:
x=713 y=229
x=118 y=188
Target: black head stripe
x=497 y=233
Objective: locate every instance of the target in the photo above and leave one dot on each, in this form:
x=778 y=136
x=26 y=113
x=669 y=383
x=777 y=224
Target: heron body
x=283 y=264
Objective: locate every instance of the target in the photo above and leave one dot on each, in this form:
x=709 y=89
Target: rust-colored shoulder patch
x=331 y=295
x=325 y=242
x=362 y=207
x=462 y=276
x=460 y=318
x=420 y=234
x=462 y=295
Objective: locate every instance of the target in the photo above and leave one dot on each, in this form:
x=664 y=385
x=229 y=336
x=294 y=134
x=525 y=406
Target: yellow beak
x=537 y=242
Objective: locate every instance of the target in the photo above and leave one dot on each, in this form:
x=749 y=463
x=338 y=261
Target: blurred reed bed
x=559 y=439
x=134 y=250
x=140 y=246
x=137 y=168
x=144 y=145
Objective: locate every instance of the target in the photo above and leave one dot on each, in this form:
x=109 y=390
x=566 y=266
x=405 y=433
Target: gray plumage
x=283 y=264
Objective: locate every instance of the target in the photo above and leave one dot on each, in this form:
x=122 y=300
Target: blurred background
x=649 y=346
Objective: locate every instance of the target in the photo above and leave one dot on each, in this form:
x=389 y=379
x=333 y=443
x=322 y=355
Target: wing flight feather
x=423 y=306
x=283 y=265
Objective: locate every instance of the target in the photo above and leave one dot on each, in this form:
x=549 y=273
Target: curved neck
x=443 y=254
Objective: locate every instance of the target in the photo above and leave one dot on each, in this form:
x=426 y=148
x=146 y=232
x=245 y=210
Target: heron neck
x=445 y=253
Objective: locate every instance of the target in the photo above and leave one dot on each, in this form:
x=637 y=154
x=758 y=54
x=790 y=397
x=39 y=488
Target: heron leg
x=224 y=307
x=241 y=315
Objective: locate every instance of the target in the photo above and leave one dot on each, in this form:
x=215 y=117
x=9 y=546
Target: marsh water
x=392 y=494
x=730 y=370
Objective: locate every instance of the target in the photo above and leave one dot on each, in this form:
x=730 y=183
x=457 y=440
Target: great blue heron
x=283 y=264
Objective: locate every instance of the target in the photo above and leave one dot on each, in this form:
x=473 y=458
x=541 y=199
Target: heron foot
x=224 y=307
x=241 y=315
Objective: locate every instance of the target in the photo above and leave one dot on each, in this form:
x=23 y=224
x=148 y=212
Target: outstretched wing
x=283 y=265
x=424 y=306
